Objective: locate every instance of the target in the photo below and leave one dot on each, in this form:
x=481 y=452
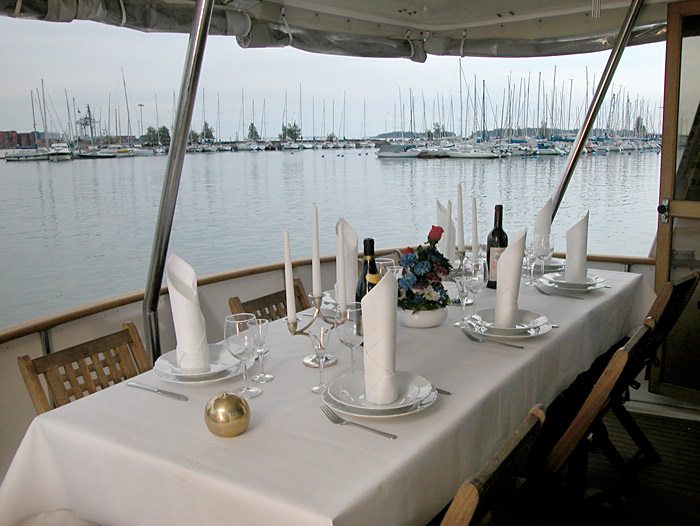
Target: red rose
x=407 y=250
x=435 y=233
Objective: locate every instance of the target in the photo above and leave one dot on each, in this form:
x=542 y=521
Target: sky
x=86 y=60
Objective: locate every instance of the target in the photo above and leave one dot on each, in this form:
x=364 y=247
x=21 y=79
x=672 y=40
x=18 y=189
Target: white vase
x=422 y=319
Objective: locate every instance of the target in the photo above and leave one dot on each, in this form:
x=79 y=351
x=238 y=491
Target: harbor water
x=79 y=231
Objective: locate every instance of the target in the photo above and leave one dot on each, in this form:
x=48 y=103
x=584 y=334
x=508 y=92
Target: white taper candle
x=315 y=256
x=449 y=234
x=475 y=233
x=340 y=266
x=289 y=281
x=460 y=219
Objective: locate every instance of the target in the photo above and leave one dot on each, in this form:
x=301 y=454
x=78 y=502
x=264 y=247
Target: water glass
x=530 y=259
x=476 y=274
x=319 y=337
x=260 y=328
x=348 y=322
x=383 y=265
x=543 y=249
x=464 y=300
x=239 y=336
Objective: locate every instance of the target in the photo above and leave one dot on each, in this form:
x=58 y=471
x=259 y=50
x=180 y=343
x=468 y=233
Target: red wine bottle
x=369 y=276
x=496 y=243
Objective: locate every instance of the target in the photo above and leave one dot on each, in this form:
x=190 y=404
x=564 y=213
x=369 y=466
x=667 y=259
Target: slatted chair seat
x=84 y=369
x=487 y=497
x=272 y=306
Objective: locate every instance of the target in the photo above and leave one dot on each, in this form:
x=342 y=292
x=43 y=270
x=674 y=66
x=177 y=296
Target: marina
x=461 y=375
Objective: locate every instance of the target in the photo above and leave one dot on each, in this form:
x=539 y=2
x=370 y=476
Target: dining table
x=126 y=456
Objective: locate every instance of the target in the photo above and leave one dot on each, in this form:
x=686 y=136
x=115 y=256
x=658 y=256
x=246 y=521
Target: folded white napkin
x=510 y=266
x=543 y=221
x=576 y=251
x=446 y=245
x=379 y=329
x=346 y=248
x=190 y=329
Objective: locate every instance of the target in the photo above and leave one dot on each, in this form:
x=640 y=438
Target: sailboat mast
x=301 y=122
x=461 y=114
x=109 y=116
x=70 y=128
x=128 y=113
x=31 y=95
x=43 y=101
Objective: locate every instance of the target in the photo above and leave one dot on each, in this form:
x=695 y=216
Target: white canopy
x=379 y=28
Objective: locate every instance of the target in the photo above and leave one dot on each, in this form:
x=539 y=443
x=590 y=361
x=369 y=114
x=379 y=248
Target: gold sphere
x=227 y=415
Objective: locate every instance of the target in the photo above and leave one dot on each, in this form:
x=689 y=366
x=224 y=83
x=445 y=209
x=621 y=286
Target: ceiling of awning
x=378 y=28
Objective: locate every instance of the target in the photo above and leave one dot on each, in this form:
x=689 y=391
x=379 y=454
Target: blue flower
x=407 y=260
x=407 y=281
x=421 y=268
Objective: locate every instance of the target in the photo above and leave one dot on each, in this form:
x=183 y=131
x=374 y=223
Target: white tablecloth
x=128 y=457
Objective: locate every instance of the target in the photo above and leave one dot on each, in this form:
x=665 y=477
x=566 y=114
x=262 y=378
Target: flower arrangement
x=420 y=287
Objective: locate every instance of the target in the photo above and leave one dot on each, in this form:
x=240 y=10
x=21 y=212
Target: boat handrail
x=19 y=330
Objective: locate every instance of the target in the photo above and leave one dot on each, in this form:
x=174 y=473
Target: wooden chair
x=85 y=368
x=273 y=306
x=641 y=350
x=488 y=494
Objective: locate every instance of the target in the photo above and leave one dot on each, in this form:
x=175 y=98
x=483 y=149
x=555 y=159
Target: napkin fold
x=446 y=245
x=346 y=248
x=576 y=251
x=543 y=221
x=379 y=329
x=190 y=329
x=508 y=286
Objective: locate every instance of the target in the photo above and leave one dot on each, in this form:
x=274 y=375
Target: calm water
x=78 y=231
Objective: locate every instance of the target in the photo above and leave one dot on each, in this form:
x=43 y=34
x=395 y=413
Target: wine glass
x=383 y=264
x=476 y=275
x=260 y=328
x=530 y=259
x=543 y=249
x=463 y=291
x=396 y=270
x=349 y=328
x=239 y=335
x=319 y=337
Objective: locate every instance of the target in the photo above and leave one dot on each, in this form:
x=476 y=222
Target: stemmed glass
x=476 y=275
x=239 y=335
x=383 y=265
x=319 y=337
x=543 y=249
x=396 y=270
x=463 y=291
x=260 y=328
x=530 y=259
x=349 y=328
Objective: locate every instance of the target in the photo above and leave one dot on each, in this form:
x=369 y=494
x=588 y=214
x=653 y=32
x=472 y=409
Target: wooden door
x=678 y=240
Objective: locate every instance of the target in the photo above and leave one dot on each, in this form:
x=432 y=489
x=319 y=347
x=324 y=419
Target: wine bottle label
x=373 y=278
x=495 y=255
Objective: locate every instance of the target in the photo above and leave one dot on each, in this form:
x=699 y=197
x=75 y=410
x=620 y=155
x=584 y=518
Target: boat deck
x=667 y=493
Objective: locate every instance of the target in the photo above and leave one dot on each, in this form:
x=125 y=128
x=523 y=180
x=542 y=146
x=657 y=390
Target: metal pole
x=614 y=59
x=171 y=183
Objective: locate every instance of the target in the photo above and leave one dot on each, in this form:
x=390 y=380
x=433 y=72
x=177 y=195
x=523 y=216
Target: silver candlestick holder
x=293 y=326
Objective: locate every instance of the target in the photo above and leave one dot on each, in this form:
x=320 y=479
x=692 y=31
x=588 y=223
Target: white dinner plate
x=554 y=265
x=524 y=321
x=379 y=413
x=221 y=375
x=349 y=390
x=559 y=279
x=481 y=332
x=219 y=360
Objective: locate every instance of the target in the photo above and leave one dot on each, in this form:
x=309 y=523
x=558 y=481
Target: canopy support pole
x=622 y=39
x=173 y=171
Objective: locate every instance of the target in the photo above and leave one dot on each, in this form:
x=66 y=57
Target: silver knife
x=169 y=394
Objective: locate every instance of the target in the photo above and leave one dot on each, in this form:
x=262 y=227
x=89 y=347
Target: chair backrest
x=85 y=368
x=585 y=417
x=491 y=488
x=662 y=317
x=272 y=306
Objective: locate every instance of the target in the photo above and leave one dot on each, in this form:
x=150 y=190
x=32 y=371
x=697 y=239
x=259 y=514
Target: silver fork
x=476 y=339
x=336 y=419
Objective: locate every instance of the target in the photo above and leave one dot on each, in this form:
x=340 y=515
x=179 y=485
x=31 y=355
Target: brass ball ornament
x=227 y=415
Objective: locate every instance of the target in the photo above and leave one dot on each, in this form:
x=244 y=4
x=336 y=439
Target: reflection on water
x=80 y=231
